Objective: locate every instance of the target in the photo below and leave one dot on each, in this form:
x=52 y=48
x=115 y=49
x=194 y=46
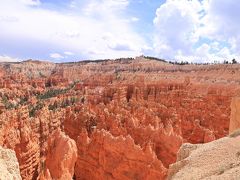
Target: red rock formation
x=28 y=137
x=118 y=157
x=61 y=157
x=235 y=115
x=128 y=117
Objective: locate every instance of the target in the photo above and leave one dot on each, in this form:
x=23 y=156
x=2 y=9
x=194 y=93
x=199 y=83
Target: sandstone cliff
x=235 y=115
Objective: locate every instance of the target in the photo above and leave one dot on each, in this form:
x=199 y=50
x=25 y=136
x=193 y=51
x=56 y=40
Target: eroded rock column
x=61 y=157
x=235 y=115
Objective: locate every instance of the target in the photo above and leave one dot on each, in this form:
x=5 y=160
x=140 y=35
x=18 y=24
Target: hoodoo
x=119 y=119
x=235 y=115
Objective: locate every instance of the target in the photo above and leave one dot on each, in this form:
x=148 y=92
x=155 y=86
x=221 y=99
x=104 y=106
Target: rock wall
x=118 y=157
x=235 y=115
x=27 y=136
x=61 y=157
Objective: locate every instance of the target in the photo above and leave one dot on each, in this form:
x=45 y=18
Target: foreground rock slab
x=216 y=160
x=9 y=167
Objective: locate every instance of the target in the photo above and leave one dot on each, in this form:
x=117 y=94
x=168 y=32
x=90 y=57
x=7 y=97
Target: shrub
x=23 y=100
x=51 y=93
x=234 y=61
x=53 y=106
x=34 y=109
x=8 y=105
x=154 y=58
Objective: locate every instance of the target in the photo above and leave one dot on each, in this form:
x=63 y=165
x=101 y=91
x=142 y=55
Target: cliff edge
x=216 y=160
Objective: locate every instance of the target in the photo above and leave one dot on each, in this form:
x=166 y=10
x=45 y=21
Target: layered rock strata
x=235 y=115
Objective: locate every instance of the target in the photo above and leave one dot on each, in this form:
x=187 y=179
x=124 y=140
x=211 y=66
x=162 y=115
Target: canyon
x=129 y=118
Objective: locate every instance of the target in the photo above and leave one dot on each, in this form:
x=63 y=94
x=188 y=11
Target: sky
x=74 y=30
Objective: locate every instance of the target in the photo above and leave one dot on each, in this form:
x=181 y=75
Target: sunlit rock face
x=235 y=115
x=119 y=157
x=9 y=165
x=215 y=160
x=122 y=119
x=61 y=157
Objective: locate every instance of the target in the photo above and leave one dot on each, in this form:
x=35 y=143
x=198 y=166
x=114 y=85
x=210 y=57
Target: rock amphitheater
x=124 y=119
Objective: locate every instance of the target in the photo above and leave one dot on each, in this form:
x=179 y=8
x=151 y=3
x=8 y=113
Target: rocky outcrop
x=219 y=159
x=107 y=157
x=61 y=157
x=128 y=117
x=9 y=168
x=30 y=68
x=235 y=115
x=27 y=136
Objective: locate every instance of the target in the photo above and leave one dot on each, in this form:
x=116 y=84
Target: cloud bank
x=95 y=29
x=192 y=30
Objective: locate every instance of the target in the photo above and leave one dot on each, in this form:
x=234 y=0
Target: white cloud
x=134 y=19
x=215 y=46
x=5 y=58
x=102 y=7
x=223 y=19
x=31 y=2
x=203 y=50
x=175 y=23
x=69 y=53
x=97 y=29
x=221 y=24
x=56 y=56
x=182 y=25
x=120 y=46
x=76 y=31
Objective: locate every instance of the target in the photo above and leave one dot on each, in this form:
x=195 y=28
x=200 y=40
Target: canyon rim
x=130 y=118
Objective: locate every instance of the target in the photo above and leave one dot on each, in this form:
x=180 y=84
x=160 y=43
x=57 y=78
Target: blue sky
x=73 y=30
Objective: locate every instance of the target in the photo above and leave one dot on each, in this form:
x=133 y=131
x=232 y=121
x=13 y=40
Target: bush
x=8 y=105
x=23 y=100
x=54 y=92
x=53 y=106
x=34 y=109
x=234 y=61
x=51 y=93
x=154 y=58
